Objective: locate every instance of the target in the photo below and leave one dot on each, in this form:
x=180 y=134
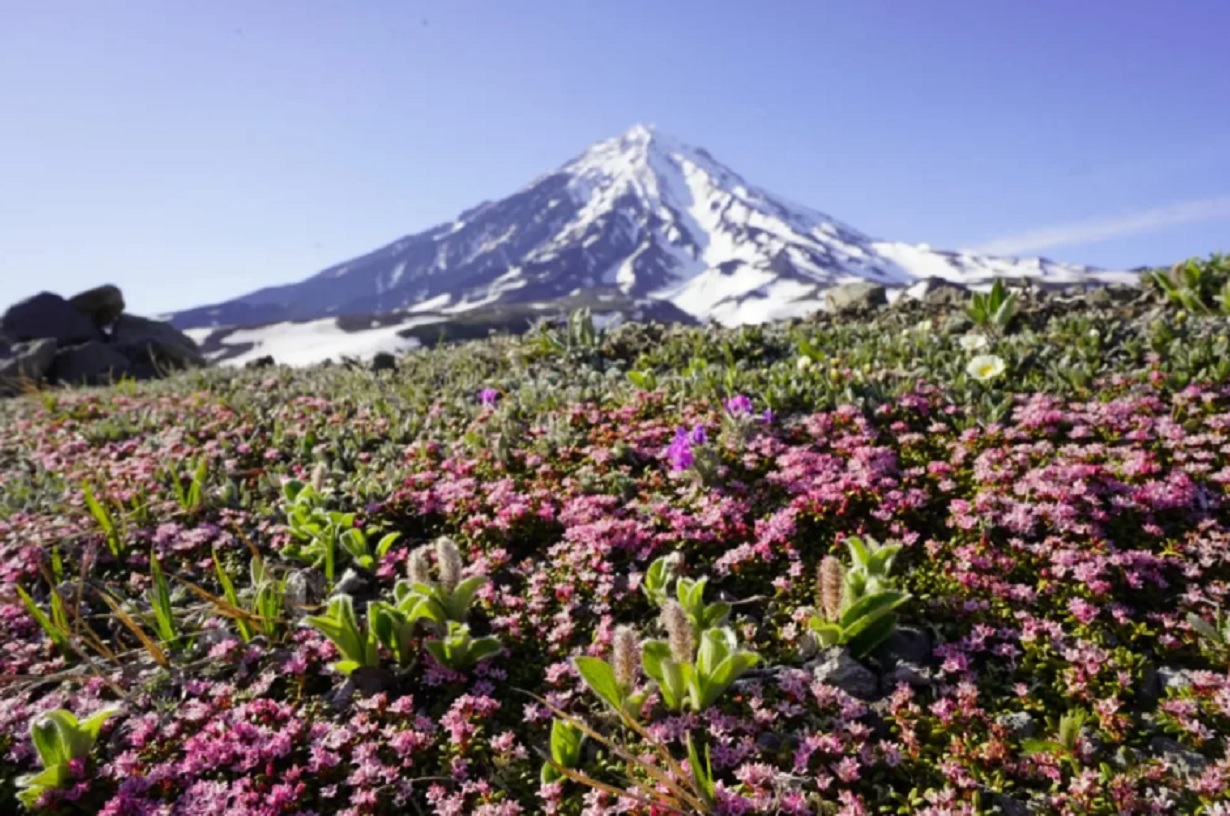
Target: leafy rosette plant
x=690 y=592
x=358 y=646
x=459 y=650
x=441 y=600
x=697 y=683
x=615 y=683
x=857 y=605
x=63 y=743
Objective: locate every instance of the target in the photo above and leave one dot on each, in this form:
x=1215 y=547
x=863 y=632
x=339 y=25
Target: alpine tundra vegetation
x=944 y=556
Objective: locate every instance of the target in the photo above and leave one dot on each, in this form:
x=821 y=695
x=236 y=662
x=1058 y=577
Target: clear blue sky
x=190 y=152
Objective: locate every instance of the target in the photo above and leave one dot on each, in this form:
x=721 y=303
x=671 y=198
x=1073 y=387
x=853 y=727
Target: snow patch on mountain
x=643 y=214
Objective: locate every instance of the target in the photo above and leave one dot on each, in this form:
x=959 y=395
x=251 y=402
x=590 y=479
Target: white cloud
x=1101 y=229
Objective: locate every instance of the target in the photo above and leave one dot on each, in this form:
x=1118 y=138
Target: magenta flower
x=488 y=396
x=739 y=405
x=680 y=451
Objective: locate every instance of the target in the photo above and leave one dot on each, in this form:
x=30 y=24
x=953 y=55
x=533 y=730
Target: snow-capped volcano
x=642 y=216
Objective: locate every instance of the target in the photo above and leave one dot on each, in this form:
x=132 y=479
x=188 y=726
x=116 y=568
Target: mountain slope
x=641 y=215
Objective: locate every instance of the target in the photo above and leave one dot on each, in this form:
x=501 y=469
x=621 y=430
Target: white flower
x=985 y=367
x=804 y=362
x=973 y=342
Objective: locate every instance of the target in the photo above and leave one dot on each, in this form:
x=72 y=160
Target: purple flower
x=680 y=451
x=699 y=437
x=739 y=405
x=488 y=396
x=768 y=416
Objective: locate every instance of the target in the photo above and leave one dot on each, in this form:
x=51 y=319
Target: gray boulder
x=857 y=296
x=47 y=315
x=102 y=304
x=940 y=292
x=25 y=362
x=93 y=363
x=154 y=347
x=837 y=667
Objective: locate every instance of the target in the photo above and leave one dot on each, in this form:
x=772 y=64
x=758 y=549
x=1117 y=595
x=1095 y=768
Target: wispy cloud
x=1101 y=229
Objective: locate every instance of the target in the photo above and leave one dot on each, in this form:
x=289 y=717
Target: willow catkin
x=419 y=568
x=625 y=657
x=678 y=632
x=318 y=477
x=449 y=561
x=829 y=580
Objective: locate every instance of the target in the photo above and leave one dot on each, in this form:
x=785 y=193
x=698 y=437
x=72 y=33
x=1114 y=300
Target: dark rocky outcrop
x=47 y=315
x=86 y=340
x=102 y=304
x=24 y=363
x=155 y=343
x=92 y=363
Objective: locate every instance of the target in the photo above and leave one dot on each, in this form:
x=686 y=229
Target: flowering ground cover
x=925 y=560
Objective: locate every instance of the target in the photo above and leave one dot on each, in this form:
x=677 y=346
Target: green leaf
x=483 y=648
x=1203 y=627
x=292 y=489
x=566 y=742
x=715 y=614
x=93 y=725
x=600 y=677
x=874 y=604
x=382 y=547
x=52 y=736
x=858 y=551
x=458 y=603
x=703 y=774
x=868 y=633
x=715 y=646
x=827 y=634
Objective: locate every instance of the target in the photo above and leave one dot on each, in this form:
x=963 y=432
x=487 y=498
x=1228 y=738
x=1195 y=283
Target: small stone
x=1018 y=724
x=1098 y=297
x=1171 y=678
x=351 y=583
x=857 y=296
x=1006 y=805
x=907 y=645
x=837 y=667
x=912 y=675
x=383 y=361
x=369 y=680
x=303 y=592
x=1184 y=760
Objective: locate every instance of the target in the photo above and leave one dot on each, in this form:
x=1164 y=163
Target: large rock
x=26 y=362
x=47 y=315
x=92 y=363
x=154 y=347
x=102 y=304
x=857 y=296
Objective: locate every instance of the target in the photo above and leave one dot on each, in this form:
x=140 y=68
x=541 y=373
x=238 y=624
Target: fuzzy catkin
x=419 y=568
x=318 y=477
x=829 y=580
x=449 y=561
x=678 y=632
x=625 y=658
